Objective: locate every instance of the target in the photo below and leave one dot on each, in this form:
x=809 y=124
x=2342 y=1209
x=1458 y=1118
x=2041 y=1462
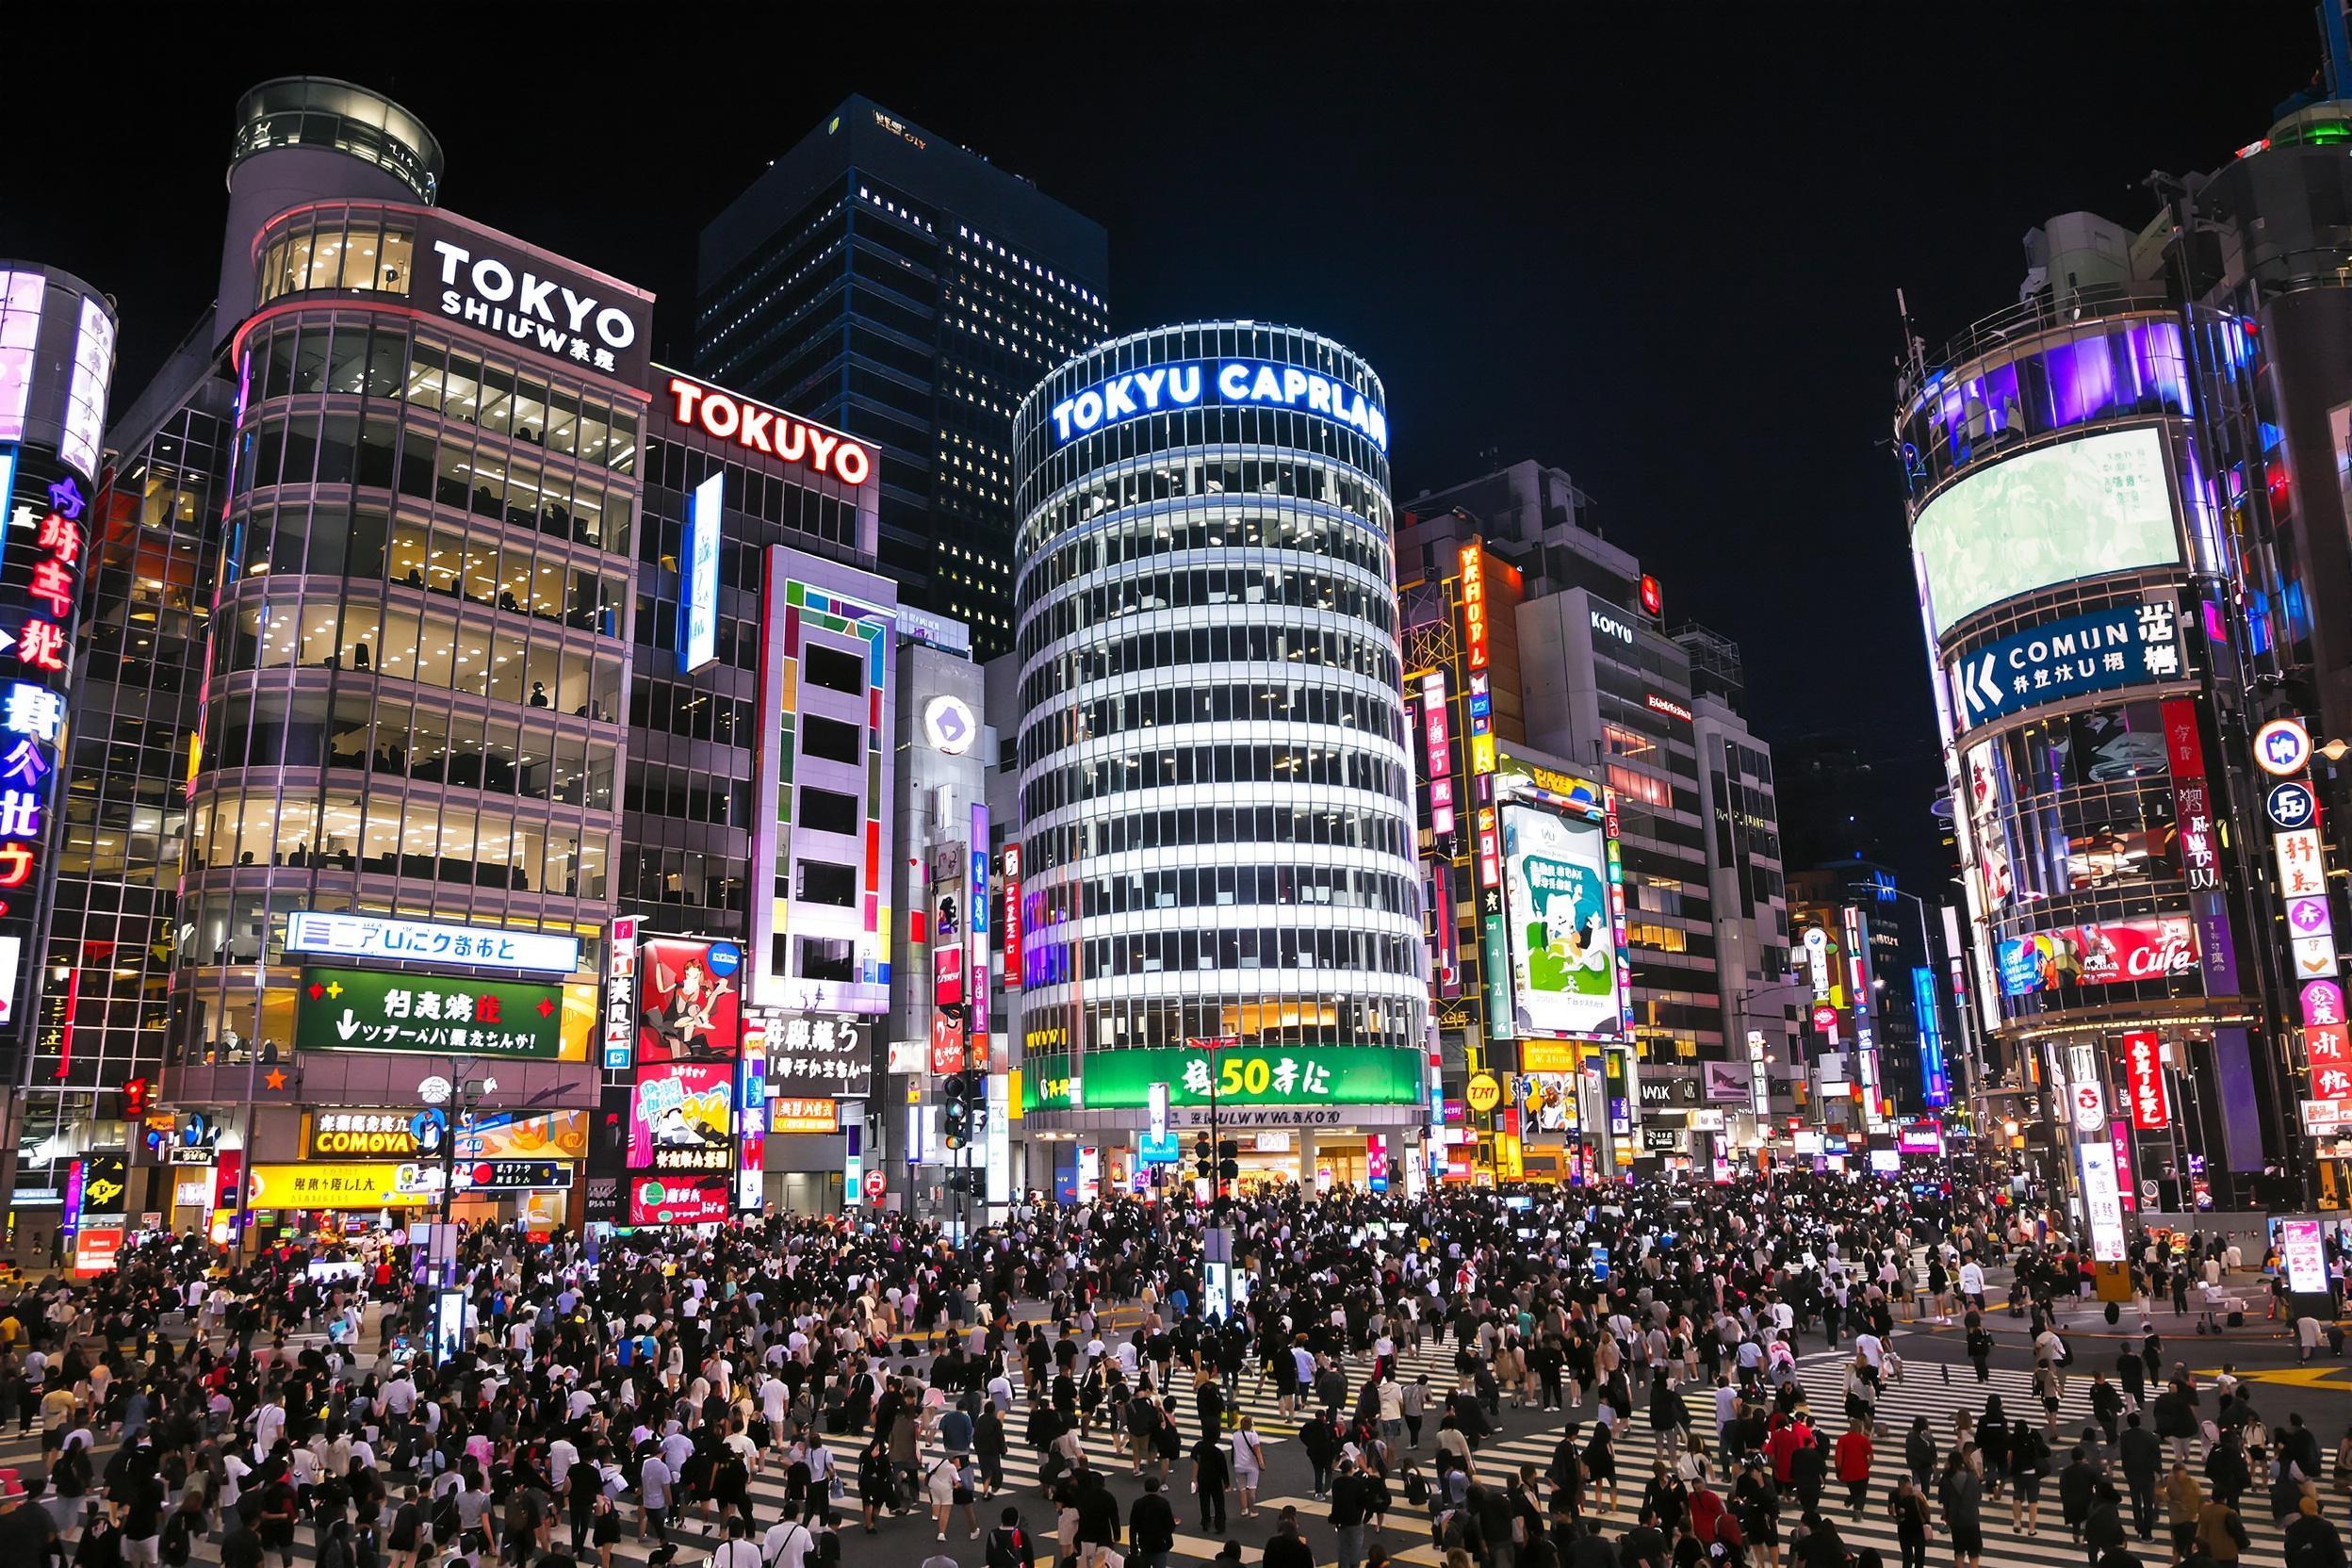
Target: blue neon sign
x=1199 y=382
x=698 y=604
x=1935 y=1081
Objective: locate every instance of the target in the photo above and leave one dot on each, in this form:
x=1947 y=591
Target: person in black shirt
x=1210 y=1476
x=1152 y=1526
x=1287 y=1548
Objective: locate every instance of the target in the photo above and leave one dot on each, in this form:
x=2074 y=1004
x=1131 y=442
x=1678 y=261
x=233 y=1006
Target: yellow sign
x=1550 y=1056
x=1483 y=1093
x=375 y=1185
x=1012 y=1095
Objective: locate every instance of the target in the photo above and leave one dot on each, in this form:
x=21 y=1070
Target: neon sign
x=755 y=427
x=1233 y=383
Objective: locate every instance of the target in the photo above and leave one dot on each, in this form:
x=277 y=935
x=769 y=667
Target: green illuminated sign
x=357 y=1009
x=1241 y=1075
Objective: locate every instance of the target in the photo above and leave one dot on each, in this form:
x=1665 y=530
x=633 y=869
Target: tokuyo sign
x=2123 y=644
x=756 y=428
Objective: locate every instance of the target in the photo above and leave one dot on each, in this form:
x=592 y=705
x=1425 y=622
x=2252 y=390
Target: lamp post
x=461 y=1098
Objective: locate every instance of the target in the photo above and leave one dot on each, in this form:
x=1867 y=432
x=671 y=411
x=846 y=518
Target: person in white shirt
x=786 y=1545
x=1973 y=1284
x=562 y=1455
x=735 y=1552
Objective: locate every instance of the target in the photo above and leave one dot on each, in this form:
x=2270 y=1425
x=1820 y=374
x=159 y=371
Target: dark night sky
x=1664 y=258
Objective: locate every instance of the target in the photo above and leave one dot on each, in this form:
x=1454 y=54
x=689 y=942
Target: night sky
x=1664 y=260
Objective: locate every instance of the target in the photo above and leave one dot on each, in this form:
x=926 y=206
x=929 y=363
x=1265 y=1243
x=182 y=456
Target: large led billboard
x=1563 y=944
x=2082 y=509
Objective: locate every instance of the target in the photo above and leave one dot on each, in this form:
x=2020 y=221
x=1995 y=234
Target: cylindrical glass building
x=1218 y=828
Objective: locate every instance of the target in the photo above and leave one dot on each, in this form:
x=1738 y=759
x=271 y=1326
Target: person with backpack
x=1009 y=1545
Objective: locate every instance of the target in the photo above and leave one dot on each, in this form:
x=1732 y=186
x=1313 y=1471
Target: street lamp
x=437 y=1090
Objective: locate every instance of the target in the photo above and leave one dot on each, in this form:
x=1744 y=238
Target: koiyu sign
x=2123 y=644
x=499 y=286
x=1232 y=382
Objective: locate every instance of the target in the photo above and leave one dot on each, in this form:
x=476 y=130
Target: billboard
x=328 y=934
x=2161 y=948
x=357 y=1009
x=2082 y=509
x=681 y=1116
x=678 y=1199
x=1546 y=1101
x=2123 y=644
x=1243 y=1075
x=337 y=1133
x=690 y=1000
x=1563 y=944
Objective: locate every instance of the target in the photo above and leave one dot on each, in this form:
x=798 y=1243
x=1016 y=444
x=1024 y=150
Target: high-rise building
x=402 y=786
x=153 y=563
x=57 y=361
x=1218 y=891
x=2092 y=487
x=1575 y=670
x=890 y=283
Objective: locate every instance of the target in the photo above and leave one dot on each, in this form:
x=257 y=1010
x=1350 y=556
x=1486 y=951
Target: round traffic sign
x=2289 y=805
x=877 y=1184
x=2282 y=748
x=1483 y=1092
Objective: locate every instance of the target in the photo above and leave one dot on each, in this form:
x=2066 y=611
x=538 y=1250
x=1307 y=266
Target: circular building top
x=325 y=111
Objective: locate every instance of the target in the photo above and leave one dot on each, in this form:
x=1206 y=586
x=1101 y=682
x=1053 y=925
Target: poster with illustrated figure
x=692 y=999
x=1563 y=949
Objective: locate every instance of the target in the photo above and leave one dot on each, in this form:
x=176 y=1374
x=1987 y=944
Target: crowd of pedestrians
x=870 y=1374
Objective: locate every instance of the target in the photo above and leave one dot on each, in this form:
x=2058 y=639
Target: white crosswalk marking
x=1406 y=1535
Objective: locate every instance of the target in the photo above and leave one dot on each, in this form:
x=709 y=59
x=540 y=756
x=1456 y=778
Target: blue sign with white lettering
x=1200 y=382
x=2123 y=645
x=698 y=578
x=2289 y=805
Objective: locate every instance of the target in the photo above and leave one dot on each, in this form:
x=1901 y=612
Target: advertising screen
x=2303 y=1253
x=2108 y=955
x=2082 y=509
x=681 y=1116
x=678 y=1199
x=1242 y=1075
x=1546 y=1101
x=691 y=997
x=1564 y=947
x=356 y=1009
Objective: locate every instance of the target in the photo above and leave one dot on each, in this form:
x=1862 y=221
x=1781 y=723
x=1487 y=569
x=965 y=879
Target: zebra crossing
x=1924 y=1392
x=1405 y=1536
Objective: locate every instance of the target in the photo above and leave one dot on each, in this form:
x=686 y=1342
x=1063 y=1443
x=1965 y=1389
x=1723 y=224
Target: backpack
x=1008 y=1548
x=177 y=1538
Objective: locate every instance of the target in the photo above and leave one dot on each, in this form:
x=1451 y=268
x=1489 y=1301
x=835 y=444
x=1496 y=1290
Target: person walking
x=1210 y=1478
x=1852 y=1456
x=1963 y=1497
x=1249 y=1465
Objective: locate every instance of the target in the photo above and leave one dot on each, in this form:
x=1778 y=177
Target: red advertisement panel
x=677 y=1200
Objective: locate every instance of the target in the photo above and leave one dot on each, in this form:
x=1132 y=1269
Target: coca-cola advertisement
x=2112 y=954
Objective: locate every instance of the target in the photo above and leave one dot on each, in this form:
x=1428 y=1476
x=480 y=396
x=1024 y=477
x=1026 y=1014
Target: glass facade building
x=884 y=280
x=2094 y=611
x=1216 y=811
x=413 y=697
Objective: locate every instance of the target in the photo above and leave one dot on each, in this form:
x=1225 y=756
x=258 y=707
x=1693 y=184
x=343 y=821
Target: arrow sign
x=348 y=1026
x=1977 y=686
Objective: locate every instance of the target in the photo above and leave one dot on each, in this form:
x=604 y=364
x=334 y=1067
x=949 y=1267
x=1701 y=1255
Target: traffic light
x=132 y=1099
x=1228 y=1161
x=955 y=1116
x=1201 y=1158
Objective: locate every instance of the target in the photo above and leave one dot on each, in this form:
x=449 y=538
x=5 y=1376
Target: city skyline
x=1794 y=265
